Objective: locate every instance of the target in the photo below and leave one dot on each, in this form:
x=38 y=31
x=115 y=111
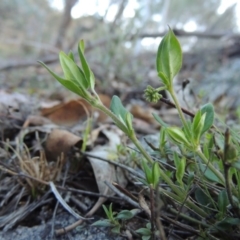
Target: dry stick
x=68 y=228
x=152 y=212
x=64 y=204
x=181 y=225
x=124 y=197
x=125 y=191
x=137 y=174
x=57 y=204
x=168 y=102
x=158 y=220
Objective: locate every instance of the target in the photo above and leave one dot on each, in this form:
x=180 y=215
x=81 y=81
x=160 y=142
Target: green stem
x=132 y=136
x=109 y=113
x=211 y=167
x=180 y=193
x=188 y=202
x=194 y=220
x=178 y=107
x=162 y=173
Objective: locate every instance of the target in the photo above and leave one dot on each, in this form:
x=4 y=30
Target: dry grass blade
x=63 y=203
x=10 y=220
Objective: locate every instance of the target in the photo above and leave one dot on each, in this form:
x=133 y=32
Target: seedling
x=115 y=220
x=206 y=164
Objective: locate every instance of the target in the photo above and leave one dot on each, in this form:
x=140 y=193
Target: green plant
x=145 y=232
x=115 y=220
x=205 y=166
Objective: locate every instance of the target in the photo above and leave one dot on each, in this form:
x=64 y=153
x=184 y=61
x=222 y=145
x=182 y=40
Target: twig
x=125 y=191
x=137 y=174
x=152 y=218
x=64 y=204
x=168 y=102
x=124 y=197
x=157 y=213
x=57 y=204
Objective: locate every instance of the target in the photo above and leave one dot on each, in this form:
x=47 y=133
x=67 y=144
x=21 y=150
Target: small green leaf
x=197 y=126
x=120 y=111
x=177 y=136
x=107 y=212
x=159 y=120
x=72 y=86
x=223 y=201
x=162 y=140
x=155 y=174
x=70 y=54
x=209 y=110
x=231 y=153
x=148 y=172
x=72 y=71
x=148 y=225
x=102 y=223
x=208 y=173
x=169 y=56
x=128 y=120
x=164 y=78
x=135 y=211
x=180 y=167
x=86 y=69
x=116 y=229
x=228 y=222
x=125 y=215
x=202 y=198
x=146 y=237
x=144 y=231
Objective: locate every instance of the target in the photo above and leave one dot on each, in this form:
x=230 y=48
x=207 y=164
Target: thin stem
x=109 y=113
x=209 y=164
x=193 y=220
x=178 y=107
x=228 y=187
x=188 y=202
x=152 y=211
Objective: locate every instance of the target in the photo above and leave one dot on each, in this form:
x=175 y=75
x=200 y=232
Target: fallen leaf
x=144 y=114
x=67 y=114
x=105 y=171
x=60 y=141
x=71 y=112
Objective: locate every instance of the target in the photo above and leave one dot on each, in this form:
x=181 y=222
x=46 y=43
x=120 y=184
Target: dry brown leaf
x=67 y=114
x=60 y=141
x=144 y=114
x=71 y=112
